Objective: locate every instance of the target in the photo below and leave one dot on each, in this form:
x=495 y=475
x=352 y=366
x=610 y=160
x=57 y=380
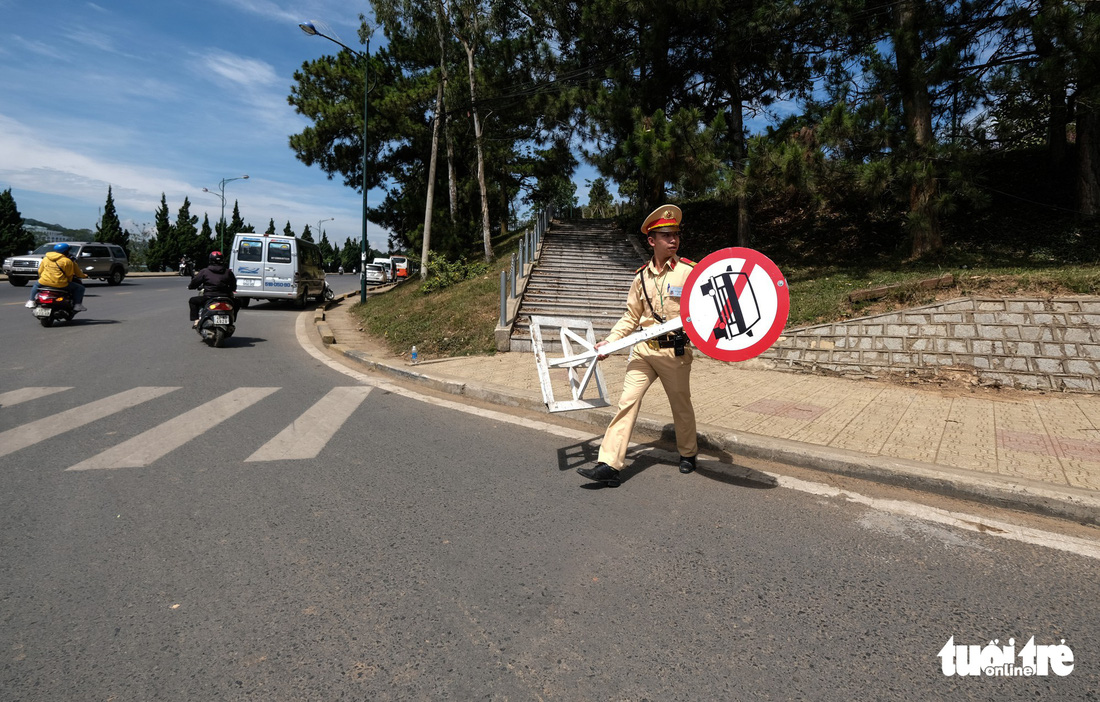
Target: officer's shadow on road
x=89 y=321
x=725 y=469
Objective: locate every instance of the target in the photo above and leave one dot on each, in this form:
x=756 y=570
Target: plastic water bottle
x=415 y=359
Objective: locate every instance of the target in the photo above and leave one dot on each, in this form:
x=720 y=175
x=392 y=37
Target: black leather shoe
x=687 y=465
x=601 y=473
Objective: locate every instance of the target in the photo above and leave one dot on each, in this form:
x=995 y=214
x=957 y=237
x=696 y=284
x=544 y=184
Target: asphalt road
x=257 y=525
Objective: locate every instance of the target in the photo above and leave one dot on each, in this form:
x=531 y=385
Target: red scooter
x=53 y=305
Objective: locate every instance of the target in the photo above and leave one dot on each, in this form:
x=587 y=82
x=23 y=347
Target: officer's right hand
x=598 y=345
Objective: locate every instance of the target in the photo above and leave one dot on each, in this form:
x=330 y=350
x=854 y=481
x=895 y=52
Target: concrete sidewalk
x=1026 y=450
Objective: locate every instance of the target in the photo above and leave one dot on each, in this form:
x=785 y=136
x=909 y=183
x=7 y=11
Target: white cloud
x=33 y=163
x=37 y=47
x=265 y=8
x=90 y=38
x=237 y=69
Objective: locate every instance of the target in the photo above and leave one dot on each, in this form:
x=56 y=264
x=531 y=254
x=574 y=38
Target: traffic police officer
x=654 y=298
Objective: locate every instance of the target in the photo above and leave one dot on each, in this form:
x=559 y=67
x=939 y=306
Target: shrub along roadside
x=459 y=319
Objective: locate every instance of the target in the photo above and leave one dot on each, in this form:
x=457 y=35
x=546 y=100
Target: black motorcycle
x=216 y=319
x=53 y=305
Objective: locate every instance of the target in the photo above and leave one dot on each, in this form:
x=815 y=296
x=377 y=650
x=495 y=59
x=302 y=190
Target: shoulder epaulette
x=688 y=261
x=641 y=268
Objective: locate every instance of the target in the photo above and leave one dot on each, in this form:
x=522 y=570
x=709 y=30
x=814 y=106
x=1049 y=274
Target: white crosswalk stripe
x=14 y=397
x=148 y=446
x=56 y=424
x=308 y=434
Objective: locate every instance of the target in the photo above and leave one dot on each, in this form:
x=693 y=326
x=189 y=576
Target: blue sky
x=166 y=96
x=169 y=96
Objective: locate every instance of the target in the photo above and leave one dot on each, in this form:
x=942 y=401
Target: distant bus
x=400 y=266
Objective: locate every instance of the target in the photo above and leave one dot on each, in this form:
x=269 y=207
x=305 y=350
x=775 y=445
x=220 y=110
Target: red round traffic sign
x=735 y=304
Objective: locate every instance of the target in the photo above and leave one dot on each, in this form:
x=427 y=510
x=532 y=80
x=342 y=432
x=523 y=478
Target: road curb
x=1065 y=503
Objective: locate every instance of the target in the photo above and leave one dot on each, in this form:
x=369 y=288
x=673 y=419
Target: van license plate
x=221 y=319
x=41 y=311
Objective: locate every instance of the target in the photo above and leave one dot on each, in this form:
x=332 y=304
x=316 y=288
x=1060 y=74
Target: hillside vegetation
x=1011 y=248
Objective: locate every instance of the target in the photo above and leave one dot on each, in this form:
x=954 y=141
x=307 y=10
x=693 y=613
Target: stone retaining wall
x=1035 y=343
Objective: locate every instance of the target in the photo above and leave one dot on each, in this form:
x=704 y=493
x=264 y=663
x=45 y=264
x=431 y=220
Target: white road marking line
x=308 y=434
x=48 y=427
x=148 y=446
x=961 y=520
x=14 y=397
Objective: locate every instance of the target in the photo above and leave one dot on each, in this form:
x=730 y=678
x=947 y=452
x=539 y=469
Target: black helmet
x=216 y=257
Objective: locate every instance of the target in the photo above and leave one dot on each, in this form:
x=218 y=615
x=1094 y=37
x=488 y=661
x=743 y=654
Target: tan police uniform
x=653 y=359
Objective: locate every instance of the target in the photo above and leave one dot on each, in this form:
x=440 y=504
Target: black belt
x=669 y=340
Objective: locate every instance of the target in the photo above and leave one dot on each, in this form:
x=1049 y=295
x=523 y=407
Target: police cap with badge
x=663 y=216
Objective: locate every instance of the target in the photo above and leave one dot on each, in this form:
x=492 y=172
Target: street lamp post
x=221 y=194
x=318 y=234
x=311 y=29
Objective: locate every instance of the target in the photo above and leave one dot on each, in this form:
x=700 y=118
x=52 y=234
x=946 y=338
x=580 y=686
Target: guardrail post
x=503 y=298
x=513 y=275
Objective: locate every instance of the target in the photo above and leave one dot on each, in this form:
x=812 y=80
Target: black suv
x=97 y=260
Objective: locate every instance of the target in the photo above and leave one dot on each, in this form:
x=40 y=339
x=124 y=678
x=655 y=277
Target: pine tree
x=307 y=234
x=270 y=231
x=287 y=230
x=337 y=259
x=350 y=255
x=326 y=251
x=162 y=252
x=236 y=226
x=206 y=241
x=14 y=239
x=109 y=228
x=599 y=198
x=185 y=233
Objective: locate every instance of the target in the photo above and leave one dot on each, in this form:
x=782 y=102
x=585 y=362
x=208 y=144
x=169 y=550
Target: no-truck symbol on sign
x=736 y=304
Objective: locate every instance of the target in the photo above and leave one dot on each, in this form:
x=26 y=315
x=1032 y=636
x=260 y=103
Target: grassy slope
x=459 y=320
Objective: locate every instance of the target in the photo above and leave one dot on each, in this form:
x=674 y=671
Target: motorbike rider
x=216 y=280
x=57 y=270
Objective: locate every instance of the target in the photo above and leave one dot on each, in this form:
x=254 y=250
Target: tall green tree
x=406 y=75
x=288 y=230
x=326 y=250
x=599 y=198
x=206 y=242
x=14 y=239
x=186 y=234
x=270 y=227
x=337 y=259
x=306 y=233
x=669 y=85
x=109 y=228
x=163 y=250
x=349 y=255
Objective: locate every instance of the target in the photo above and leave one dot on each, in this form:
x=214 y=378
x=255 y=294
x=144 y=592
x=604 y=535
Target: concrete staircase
x=583 y=272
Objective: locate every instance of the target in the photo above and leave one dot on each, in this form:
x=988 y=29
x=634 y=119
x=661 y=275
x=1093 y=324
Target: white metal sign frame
x=586 y=359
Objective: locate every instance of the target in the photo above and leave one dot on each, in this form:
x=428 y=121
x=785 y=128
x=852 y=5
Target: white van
x=387 y=264
x=270 y=267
